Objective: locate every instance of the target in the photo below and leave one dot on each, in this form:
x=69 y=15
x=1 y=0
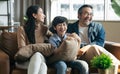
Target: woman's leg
x=37 y=64
x=43 y=68
x=82 y=66
x=61 y=67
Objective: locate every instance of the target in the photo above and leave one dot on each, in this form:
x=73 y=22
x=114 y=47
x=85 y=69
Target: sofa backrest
x=8 y=42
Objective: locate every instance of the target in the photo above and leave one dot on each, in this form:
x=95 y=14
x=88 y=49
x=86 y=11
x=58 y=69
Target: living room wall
x=112 y=29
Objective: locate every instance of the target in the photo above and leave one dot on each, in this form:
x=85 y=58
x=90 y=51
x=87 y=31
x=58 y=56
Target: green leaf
x=116 y=6
x=102 y=61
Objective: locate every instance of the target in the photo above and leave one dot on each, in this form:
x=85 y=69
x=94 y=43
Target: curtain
x=21 y=6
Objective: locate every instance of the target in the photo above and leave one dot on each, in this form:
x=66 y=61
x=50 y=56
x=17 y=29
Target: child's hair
x=59 y=19
x=56 y=21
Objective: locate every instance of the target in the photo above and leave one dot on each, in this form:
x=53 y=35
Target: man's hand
x=80 y=53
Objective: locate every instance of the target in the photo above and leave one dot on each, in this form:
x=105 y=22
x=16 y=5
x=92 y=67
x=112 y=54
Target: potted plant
x=103 y=63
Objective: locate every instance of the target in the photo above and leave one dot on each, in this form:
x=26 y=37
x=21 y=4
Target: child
x=59 y=24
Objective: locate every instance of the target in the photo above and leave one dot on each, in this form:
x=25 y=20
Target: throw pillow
x=8 y=42
x=26 y=52
x=68 y=50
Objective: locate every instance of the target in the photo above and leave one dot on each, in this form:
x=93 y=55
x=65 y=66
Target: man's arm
x=99 y=39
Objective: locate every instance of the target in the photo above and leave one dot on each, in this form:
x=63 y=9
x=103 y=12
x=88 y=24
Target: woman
x=33 y=32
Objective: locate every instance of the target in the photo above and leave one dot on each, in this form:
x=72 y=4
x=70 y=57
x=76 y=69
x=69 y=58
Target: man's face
x=86 y=16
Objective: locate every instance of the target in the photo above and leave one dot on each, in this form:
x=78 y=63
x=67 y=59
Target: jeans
x=82 y=66
x=61 y=67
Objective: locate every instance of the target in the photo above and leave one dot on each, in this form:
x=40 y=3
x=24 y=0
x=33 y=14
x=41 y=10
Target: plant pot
x=103 y=71
x=110 y=70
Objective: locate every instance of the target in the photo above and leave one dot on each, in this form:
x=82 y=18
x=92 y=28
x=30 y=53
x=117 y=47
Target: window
x=102 y=9
x=6 y=12
x=3 y=13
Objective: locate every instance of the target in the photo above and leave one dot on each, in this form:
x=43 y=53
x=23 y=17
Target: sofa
x=8 y=48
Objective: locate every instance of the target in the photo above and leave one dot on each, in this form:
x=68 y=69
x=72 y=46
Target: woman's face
x=40 y=16
x=61 y=29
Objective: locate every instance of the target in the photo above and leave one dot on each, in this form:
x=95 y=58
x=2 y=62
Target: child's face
x=61 y=29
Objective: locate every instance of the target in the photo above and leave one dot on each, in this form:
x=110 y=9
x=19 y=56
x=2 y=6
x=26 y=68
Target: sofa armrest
x=4 y=63
x=114 y=48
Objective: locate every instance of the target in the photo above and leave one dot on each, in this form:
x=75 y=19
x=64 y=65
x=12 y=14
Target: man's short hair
x=83 y=6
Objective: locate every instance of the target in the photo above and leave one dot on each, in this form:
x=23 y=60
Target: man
x=92 y=34
x=89 y=32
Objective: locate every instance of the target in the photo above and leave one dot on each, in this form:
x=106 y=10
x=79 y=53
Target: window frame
x=106 y=14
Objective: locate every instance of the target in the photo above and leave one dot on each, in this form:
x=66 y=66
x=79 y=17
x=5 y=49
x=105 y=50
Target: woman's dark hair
x=57 y=20
x=30 y=23
x=83 y=6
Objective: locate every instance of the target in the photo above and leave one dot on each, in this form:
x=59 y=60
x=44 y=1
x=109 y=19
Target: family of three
x=91 y=36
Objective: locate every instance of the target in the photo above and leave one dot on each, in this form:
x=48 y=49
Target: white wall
x=112 y=29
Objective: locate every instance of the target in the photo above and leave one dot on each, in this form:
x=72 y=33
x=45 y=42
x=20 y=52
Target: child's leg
x=61 y=67
x=81 y=65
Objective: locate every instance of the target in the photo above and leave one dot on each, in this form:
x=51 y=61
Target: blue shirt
x=96 y=32
x=55 y=40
